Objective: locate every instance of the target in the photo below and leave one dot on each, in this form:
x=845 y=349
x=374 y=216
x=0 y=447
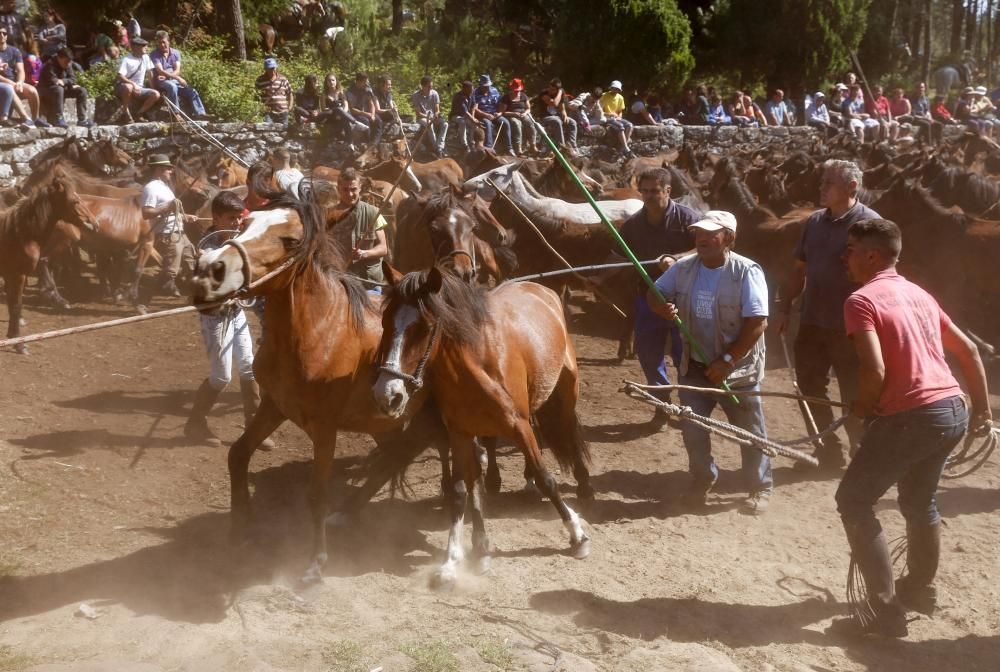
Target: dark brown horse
x=492 y=360
x=24 y=228
x=317 y=355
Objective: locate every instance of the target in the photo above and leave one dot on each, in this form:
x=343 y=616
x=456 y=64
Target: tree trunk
x=925 y=70
x=397 y=17
x=957 y=18
x=970 y=25
x=230 y=19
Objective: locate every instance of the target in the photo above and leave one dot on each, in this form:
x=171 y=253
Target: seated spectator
x=13 y=22
x=879 y=109
x=32 y=57
x=105 y=54
x=167 y=77
x=694 y=107
x=613 y=105
x=717 y=112
x=558 y=124
x=52 y=36
x=285 y=176
x=963 y=112
x=13 y=85
x=334 y=112
x=58 y=82
x=461 y=116
x=133 y=73
x=478 y=151
x=426 y=104
x=655 y=109
x=385 y=106
x=920 y=111
x=307 y=101
x=741 y=110
x=853 y=109
x=363 y=107
x=588 y=109
x=835 y=104
x=275 y=92
x=639 y=111
x=776 y=110
x=486 y=110
x=516 y=107
x=940 y=112
x=982 y=106
x=818 y=116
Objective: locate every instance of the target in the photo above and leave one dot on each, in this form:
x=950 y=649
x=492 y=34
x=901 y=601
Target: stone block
x=6 y=171
x=22 y=169
x=11 y=137
x=646 y=133
x=751 y=134
x=724 y=135
x=25 y=153
x=105 y=132
x=273 y=128
x=150 y=129
x=228 y=127
x=69 y=110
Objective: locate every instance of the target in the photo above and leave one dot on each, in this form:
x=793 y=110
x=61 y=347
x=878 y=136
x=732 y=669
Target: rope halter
x=415 y=381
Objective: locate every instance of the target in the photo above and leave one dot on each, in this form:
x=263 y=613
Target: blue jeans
x=490 y=131
x=748 y=414
x=464 y=128
x=908 y=449
x=171 y=90
x=6 y=99
x=651 y=333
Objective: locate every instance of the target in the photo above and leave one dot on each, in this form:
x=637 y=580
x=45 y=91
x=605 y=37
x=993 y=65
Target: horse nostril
x=395 y=401
x=218 y=271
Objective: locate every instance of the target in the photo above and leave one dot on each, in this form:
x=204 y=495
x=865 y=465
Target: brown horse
x=429 y=176
x=24 y=227
x=492 y=361
x=317 y=355
x=228 y=172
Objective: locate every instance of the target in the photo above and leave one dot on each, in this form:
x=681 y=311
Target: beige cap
x=716 y=220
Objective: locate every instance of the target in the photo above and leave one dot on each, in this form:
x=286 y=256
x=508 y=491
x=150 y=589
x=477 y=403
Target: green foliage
x=431 y=657
x=644 y=43
x=345 y=656
x=496 y=652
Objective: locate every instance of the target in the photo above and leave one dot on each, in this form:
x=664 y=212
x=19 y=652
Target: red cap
x=515 y=85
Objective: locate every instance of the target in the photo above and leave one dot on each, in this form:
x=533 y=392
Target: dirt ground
x=103 y=504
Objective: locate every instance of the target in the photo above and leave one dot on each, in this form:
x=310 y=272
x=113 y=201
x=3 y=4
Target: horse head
x=227 y=174
x=502 y=176
x=110 y=156
x=269 y=240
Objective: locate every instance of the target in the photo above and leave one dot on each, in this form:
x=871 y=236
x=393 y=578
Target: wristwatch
x=727 y=358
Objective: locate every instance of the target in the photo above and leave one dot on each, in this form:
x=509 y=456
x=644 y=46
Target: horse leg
x=14 y=286
x=322 y=469
x=492 y=468
x=49 y=286
x=267 y=419
x=463 y=451
x=525 y=439
x=481 y=549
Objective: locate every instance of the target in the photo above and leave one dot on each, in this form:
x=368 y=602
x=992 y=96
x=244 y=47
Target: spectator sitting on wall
x=12 y=75
x=776 y=110
x=363 y=107
x=385 y=106
x=32 y=57
x=58 y=82
x=613 y=105
x=134 y=72
x=168 y=81
x=13 y=22
x=717 y=112
x=307 y=101
x=818 y=116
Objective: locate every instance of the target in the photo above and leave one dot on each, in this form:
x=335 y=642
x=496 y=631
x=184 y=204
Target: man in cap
x=161 y=206
x=426 y=105
x=516 y=108
x=722 y=297
x=613 y=106
x=982 y=106
x=131 y=83
x=275 y=92
x=818 y=116
x=486 y=109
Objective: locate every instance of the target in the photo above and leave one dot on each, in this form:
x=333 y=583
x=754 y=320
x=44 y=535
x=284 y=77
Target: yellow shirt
x=612 y=103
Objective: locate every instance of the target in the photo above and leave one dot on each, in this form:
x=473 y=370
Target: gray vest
x=362 y=220
x=728 y=315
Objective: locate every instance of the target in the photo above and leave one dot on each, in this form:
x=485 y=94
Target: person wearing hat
x=516 y=108
x=426 y=105
x=613 y=106
x=486 y=110
x=275 y=92
x=818 y=116
x=168 y=219
x=56 y=83
x=983 y=107
x=133 y=72
x=964 y=113
x=722 y=297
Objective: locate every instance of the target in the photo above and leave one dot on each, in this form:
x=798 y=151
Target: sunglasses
x=3 y=32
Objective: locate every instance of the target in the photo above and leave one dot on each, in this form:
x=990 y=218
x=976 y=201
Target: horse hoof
x=443 y=580
x=584 y=493
x=141 y=309
x=313 y=575
x=581 y=549
x=341 y=519
x=493 y=484
x=21 y=349
x=483 y=565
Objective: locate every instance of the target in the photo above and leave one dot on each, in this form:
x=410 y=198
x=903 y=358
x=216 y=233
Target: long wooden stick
x=587 y=281
x=409 y=162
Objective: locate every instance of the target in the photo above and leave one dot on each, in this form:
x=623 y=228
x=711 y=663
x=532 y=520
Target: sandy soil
x=103 y=503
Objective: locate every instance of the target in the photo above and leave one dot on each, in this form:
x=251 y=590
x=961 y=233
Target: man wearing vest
x=722 y=297
x=366 y=226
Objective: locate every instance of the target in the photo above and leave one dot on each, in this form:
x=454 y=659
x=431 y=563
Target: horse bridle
x=458 y=252
x=416 y=380
x=247 y=271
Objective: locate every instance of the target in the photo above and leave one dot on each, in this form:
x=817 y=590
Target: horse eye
x=289 y=243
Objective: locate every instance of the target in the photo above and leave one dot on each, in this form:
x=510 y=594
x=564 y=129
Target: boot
x=875 y=563
x=250 y=391
x=923 y=551
x=196 y=428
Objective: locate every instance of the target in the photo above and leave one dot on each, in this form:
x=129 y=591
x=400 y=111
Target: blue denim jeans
x=748 y=414
x=651 y=333
x=172 y=91
x=908 y=449
x=504 y=132
x=6 y=99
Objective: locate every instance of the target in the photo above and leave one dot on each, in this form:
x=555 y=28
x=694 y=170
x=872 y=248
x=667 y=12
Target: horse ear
x=434 y=280
x=391 y=274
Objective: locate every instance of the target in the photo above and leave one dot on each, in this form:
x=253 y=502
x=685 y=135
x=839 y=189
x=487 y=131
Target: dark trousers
x=908 y=449
x=652 y=333
x=52 y=98
x=817 y=350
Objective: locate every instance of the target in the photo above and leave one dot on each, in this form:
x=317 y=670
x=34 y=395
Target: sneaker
x=757 y=503
x=61 y=123
x=27 y=124
x=86 y=123
x=41 y=123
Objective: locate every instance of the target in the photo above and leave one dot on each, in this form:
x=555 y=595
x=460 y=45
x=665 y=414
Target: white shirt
x=134 y=69
x=289 y=180
x=155 y=194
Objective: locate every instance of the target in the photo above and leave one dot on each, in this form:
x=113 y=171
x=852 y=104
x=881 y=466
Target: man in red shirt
x=915 y=414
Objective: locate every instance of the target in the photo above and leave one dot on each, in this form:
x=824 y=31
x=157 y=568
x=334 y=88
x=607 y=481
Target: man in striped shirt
x=275 y=92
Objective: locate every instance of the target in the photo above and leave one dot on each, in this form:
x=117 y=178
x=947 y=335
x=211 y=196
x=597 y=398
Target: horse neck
x=32 y=217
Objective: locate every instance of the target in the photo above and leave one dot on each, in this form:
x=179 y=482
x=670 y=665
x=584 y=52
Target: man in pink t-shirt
x=915 y=415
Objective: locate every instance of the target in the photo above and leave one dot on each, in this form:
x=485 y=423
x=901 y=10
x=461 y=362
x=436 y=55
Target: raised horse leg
x=267 y=419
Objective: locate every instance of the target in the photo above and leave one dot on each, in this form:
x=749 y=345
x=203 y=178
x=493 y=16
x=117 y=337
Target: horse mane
x=737 y=197
x=324 y=252
x=30 y=218
x=458 y=309
x=923 y=201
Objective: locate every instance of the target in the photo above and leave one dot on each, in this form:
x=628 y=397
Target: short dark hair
x=360 y=75
x=65 y=52
x=466 y=83
x=478 y=134
x=348 y=175
x=226 y=202
x=661 y=175
x=383 y=79
x=879 y=234
x=425 y=80
x=556 y=82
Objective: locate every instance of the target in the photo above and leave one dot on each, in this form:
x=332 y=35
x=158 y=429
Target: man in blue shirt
x=486 y=101
x=167 y=76
x=722 y=297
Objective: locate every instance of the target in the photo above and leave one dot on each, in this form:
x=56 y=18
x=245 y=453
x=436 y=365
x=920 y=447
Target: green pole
x=625 y=248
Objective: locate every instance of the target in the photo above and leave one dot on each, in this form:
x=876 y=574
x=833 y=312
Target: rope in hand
x=990 y=435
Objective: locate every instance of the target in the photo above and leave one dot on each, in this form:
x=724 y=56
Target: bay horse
x=24 y=228
x=317 y=357
x=492 y=361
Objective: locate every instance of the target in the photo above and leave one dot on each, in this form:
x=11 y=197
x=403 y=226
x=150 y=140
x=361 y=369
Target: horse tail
x=559 y=425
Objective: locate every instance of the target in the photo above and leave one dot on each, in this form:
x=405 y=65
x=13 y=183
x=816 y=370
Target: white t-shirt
x=134 y=69
x=289 y=180
x=155 y=194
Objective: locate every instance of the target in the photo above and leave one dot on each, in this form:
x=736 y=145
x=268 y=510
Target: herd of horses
x=454 y=354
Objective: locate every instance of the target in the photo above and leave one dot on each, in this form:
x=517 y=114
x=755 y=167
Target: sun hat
x=139 y=41
x=615 y=84
x=716 y=220
x=840 y=86
x=515 y=85
x=967 y=90
x=484 y=80
x=158 y=160
x=819 y=94
x=981 y=90
x=270 y=63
